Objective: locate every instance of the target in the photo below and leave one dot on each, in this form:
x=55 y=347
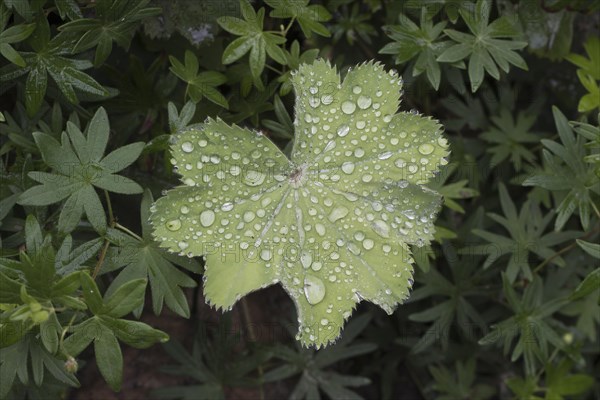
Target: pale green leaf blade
x=331 y=234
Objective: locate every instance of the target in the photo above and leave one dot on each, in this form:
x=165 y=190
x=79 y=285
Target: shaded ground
x=141 y=367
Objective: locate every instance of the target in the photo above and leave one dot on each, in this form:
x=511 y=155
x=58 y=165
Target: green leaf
x=79 y=165
x=201 y=84
x=252 y=38
x=590 y=284
x=485 y=46
x=109 y=358
x=420 y=43
x=567 y=173
x=309 y=17
x=260 y=218
x=115 y=20
x=134 y=333
x=125 y=299
x=91 y=294
x=143 y=259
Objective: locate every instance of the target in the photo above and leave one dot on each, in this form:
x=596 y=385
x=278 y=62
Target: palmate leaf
x=420 y=43
x=107 y=325
x=252 y=39
x=509 y=138
x=48 y=59
x=333 y=223
x=78 y=165
x=115 y=21
x=526 y=229
x=567 y=172
x=484 y=46
x=143 y=259
x=309 y=17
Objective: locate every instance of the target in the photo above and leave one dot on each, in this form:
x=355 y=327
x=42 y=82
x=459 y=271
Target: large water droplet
x=266 y=254
x=173 y=225
x=385 y=156
x=249 y=216
x=348 y=167
x=343 y=130
x=314 y=289
x=320 y=228
x=254 y=178
x=364 y=102
x=187 y=147
x=306 y=259
x=207 y=217
x=381 y=228
x=338 y=213
x=348 y=107
x=426 y=149
x=327 y=99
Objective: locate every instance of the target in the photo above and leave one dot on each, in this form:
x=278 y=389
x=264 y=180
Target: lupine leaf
x=333 y=223
x=79 y=165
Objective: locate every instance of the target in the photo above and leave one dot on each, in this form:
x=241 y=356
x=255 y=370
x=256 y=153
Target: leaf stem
x=287 y=28
x=129 y=232
x=564 y=250
x=274 y=69
x=110 y=210
x=100 y=259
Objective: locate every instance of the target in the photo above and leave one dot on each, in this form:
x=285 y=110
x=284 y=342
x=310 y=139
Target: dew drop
x=368 y=244
x=254 y=178
x=364 y=102
x=337 y=213
x=400 y=163
x=343 y=130
x=348 y=107
x=426 y=149
x=173 y=225
x=207 y=217
x=348 y=167
x=249 y=216
x=381 y=228
x=314 y=289
x=306 y=259
x=385 y=156
x=187 y=147
x=320 y=228
x=327 y=99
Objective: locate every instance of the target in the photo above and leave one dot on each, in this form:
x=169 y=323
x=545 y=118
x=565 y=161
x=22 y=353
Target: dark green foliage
x=506 y=299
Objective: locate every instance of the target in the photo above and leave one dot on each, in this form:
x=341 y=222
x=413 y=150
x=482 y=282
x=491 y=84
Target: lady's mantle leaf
x=332 y=224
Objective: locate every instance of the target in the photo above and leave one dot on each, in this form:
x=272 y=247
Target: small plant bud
x=39 y=316
x=71 y=365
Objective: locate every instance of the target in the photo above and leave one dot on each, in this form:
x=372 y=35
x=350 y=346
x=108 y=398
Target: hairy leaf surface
x=333 y=223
